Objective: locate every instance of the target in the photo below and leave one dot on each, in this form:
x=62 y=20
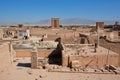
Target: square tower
x=55 y=23
x=100 y=25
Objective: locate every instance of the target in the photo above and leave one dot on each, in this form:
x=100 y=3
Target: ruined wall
x=65 y=35
x=65 y=60
x=34 y=60
x=113 y=46
x=27 y=53
x=23 y=53
x=5 y=59
x=93 y=61
x=112 y=35
x=44 y=53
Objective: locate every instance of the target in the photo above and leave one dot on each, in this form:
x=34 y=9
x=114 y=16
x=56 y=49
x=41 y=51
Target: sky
x=22 y=11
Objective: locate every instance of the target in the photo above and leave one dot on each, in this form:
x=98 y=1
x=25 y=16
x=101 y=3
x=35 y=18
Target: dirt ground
x=23 y=74
x=15 y=72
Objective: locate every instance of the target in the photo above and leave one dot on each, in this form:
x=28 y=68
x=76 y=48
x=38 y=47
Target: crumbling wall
x=67 y=36
x=93 y=61
x=65 y=60
x=34 y=60
x=23 y=53
x=5 y=58
x=45 y=53
x=27 y=53
x=113 y=46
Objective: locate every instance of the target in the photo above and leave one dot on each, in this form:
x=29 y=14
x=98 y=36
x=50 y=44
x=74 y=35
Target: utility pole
x=98 y=35
x=107 y=63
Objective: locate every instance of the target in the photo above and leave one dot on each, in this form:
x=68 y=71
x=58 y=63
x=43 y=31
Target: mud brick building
x=100 y=24
x=55 y=23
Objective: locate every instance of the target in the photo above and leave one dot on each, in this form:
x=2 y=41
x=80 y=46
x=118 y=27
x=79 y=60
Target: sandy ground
x=26 y=73
x=22 y=74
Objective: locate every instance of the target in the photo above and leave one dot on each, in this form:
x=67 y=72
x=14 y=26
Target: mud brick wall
x=96 y=60
x=93 y=61
x=27 y=53
x=45 y=53
x=55 y=23
x=23 y=53
x=34 y=60
x=5 y=58
x=65 y=60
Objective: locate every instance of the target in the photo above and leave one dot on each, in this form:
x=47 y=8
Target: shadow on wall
x=82 y=41
x=56 y=56
x=24 y=64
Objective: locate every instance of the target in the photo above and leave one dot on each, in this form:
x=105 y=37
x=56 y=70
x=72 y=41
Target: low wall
x=23 y=53
x=114 y=46
x=45 y=53
x=5 y=58
x=27 y=53
x=93 y=61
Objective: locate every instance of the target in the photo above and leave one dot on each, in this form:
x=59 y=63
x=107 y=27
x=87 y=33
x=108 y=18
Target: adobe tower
x=55 y=23
x=100 y=24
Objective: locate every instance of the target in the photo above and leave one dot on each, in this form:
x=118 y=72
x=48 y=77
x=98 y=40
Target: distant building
x=116 y=26
x=20 y=25
x=1 y=33
x=100 y=25
x=55 y=23
x=23 y=33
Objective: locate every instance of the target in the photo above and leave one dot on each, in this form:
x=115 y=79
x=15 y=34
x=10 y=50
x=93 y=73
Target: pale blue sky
x=21 y=11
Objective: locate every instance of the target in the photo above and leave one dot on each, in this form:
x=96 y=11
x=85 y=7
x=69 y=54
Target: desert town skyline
x=68 y=51
x=59 y=40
